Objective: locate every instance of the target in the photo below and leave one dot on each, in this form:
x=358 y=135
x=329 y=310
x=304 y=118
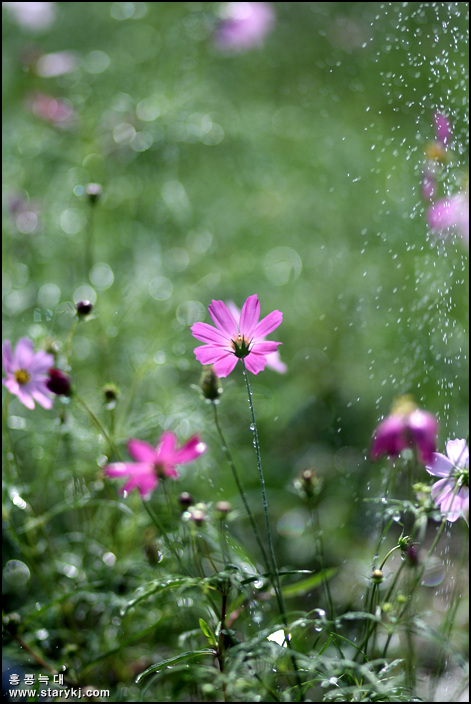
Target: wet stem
x=271 y=551
x=240 y=487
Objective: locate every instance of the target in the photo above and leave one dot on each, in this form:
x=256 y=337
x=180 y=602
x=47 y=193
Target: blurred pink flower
x=443 y=132
x=154 y=463
x=449 y=214
x=58 y=112
x=451 y=493
x=236 y=337
x=32 y=15
x=273 y=359
x=27 y=373
x=406 y=427
x=244 y=25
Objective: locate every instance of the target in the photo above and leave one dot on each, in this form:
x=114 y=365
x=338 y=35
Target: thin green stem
x=240 y=487
x=99 y=425
x=271 y=550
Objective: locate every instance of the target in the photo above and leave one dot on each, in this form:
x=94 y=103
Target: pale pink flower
x=451 y=492
x=27 y=373
x=236 y=338
x=406 y=427
x=154 y=463
x=245 y=25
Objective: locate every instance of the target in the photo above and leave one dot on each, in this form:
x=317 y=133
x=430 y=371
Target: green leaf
x=207 y=632
x=171 y=661
x=310 y=583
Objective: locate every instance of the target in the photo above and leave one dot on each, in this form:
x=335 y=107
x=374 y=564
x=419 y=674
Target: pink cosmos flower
x=27 y=373
x=154 y=463
x=273 y=359
x=451 y=493
x=245 y=25
x=233 y=339
x=406 y=426
x=451 y=214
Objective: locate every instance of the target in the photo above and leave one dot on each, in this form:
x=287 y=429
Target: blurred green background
x=291 y=170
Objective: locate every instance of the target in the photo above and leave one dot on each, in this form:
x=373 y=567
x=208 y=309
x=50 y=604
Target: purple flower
x=406 y=427
x=233 y=339
x=451 y=214
x=154 y=463
x=451 y=493
x=245 y=25
x=27 y=373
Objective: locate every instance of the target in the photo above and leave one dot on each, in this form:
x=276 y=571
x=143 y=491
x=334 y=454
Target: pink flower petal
x=256 y=363
x=223 y=319
x=223 y=366
x=208 y=354
x=268 y=324
x=458 y=452
x=440 y=466
x=7 y=357
x=265 y=348
x=142 y=451
x=166 y=448
x=249 y=316
x=206 y=333
x=191 y=450
x=24 y=353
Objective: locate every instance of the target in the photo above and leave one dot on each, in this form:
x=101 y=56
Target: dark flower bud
x=58 y=382
x=93 y=191
x=185 y=499
x=412 y=555
x=210 y=385
x=84 y=308
x=110 y=392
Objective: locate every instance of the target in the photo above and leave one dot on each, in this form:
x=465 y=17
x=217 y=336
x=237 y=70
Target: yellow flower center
x=241 y=346
x=22 y=377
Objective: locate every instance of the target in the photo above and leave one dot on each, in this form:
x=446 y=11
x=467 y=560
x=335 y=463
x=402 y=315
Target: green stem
x=271 y=551
x=100 y=427
x=240 y=487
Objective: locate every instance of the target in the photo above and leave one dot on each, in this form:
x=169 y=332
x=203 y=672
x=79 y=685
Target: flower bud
x=222 y=508
x=185 y=499
x=93 y=191
x=210 y=385
x=59 y=382
x=84 y=308
x=198 y=515
x=110 y=392
x=377 y=576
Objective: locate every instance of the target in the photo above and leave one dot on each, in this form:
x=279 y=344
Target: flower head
x=406 y=426
x=452 y=213
x=59 y=382
x=241 y=337
x=451 y=492
x=273 y=358
x=154 y=463
x=27 y=373
x=245 y=25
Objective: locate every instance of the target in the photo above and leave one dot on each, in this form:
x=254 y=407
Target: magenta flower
x=406 y=427
x=451 y=493
x=154 y=463
x=273 y=359
x=245 y=25
x=451 y=214
x=27 y=373
x=234 y=339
